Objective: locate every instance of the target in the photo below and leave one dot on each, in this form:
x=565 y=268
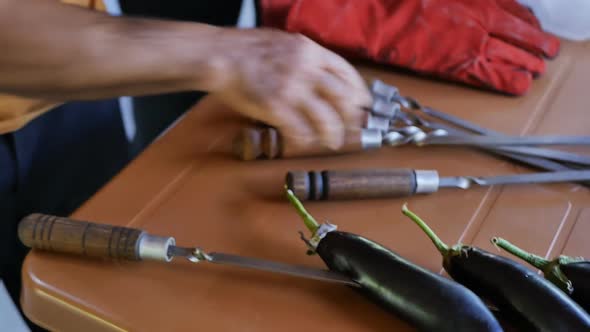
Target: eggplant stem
x=536 y=261
x=309 y=221
x=438 y=243
x=564 y=260
x=551 y=269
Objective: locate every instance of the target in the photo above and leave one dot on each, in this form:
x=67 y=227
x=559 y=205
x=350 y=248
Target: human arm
x=61 y=52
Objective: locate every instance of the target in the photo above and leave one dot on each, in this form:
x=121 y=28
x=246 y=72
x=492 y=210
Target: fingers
x=326 y=122
x=294 y=128
x=498 y=51
x=337 y=97
x=342 y=99
x=318 y=113
x=310 y=94
x=305 y=118
x=358 y=92
x=515 y=31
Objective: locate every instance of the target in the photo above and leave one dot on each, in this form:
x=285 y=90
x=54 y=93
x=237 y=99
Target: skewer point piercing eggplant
x=426 y=300
x=526 y=299
x=571 y=274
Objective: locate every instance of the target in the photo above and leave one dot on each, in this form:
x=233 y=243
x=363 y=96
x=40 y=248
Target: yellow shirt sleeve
x=16 y=112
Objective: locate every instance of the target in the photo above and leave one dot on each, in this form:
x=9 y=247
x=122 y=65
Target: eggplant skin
x=428 y=301
x=579 y=274
x=526 y=299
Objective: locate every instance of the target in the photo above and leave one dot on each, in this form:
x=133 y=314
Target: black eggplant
x=571 y=274
x=426 y=300
x=527 y=300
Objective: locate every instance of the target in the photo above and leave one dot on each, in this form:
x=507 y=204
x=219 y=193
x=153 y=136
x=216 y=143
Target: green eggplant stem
x=308 y=219
x=551 y=269
x=438 y=243
x=536 y=261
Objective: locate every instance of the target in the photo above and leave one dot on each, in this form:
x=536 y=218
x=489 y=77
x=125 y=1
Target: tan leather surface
x=187 y=186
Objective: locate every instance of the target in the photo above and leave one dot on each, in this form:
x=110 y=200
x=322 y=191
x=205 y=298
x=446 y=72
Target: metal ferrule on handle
x=383 y=91
x=155 y=248
x=371 y=139
x=427 y=181
x=377 y=122
x=385 y=109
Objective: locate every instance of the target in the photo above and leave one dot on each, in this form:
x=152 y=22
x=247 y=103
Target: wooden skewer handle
x=360 y=184
x=266 y=143
x=64 y=235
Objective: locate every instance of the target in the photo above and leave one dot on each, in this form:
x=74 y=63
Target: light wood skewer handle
x=65 y=235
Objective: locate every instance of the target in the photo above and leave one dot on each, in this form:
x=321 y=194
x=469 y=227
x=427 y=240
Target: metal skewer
x=394 y=183
x=474 y=128
x=495 y=141
x=390 y=94
x=64 y=235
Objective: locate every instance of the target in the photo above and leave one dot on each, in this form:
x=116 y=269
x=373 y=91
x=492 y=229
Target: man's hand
x=308 y=93
x=285 y=80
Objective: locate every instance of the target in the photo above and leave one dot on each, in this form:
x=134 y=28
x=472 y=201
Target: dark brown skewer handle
x=266 y=143
x=64 y=235
x=360 y=184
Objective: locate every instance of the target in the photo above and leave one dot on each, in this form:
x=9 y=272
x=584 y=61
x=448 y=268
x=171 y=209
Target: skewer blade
x=464 y=182
x=270 y=266
x=495 y=141
x=261 y=264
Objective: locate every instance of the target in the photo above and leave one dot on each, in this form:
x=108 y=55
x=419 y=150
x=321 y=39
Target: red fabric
x=520 y=11
x=274 y=12
x=495 y=44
